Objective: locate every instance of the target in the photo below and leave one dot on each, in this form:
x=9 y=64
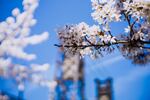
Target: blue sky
x=130 y=82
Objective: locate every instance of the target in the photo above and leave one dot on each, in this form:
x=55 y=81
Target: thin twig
x=134 y=23
x=129 y=23
x=110 y=33
x=88 y=41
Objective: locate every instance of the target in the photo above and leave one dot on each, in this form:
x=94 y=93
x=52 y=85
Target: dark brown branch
x=108 y=44
x=145 y=42
x=129 y=23
x=58 y=45
x=134 y=23
x=110 y=34
x=88 y=41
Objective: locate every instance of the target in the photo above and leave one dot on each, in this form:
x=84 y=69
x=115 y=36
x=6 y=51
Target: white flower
x=113 y=40
x=93 y=30
x=105 y=11
x=10 y=20
x=85 y=51
x=127 y=30
x=107 y=39
x=16 y=12
x=83 y=28
x=138 y=35
x=15 y=36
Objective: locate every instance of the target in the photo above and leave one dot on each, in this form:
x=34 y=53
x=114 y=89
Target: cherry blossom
x=98 y=39
x=76 y=38
x=15 y=36
x=105 y=11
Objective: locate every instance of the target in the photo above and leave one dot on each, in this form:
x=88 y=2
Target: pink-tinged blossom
x=76 y=38
x=89 y=40
x=105 y=11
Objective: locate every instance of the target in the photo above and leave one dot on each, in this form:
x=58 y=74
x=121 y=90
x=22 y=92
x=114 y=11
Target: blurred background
x=112 y=75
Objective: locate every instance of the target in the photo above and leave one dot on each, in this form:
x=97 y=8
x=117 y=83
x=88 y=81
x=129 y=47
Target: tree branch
x=134 y=23
x=108 y=44
x=130 y=25
x=88 y=41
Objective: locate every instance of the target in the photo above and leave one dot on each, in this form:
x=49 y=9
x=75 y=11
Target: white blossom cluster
x=137 y=8
x=70 y=35
x=15 y=34
x=93 y=40
x=81 y=38
x=140 y=33
x=105 y=11
x=111 y=10
x=14 y=38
